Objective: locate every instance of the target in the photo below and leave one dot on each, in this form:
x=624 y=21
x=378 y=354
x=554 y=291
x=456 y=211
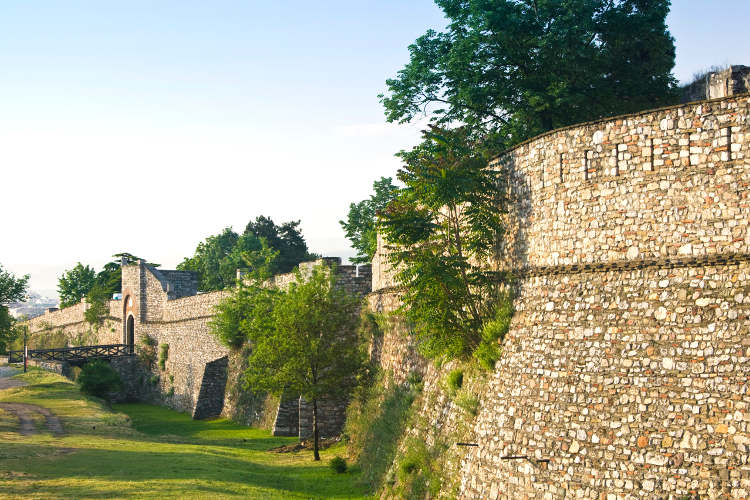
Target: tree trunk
x=316 y=453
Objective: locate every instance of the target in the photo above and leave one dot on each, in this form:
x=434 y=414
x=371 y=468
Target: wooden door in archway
x=130 y=334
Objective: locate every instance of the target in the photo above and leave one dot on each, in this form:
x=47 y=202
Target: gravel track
x=25 y=411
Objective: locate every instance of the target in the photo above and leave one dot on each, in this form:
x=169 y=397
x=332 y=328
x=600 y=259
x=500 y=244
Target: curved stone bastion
x=628 y=358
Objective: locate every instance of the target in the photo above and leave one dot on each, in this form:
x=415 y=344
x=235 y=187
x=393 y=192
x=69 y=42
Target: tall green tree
x=361 y=222
x=8 y=331
x=286 y=239
x=442 y=230
x=249 y=306
x=516 y=68
x=109 y=279
x=217 y=259
x=12 y=289
x=98 y=306
x=75 y=283
x=310 y=345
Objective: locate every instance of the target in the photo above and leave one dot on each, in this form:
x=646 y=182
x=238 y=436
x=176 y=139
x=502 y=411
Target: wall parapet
x=70 y=316
x=669 y=183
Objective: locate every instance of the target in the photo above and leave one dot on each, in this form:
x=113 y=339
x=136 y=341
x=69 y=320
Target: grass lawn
x=142 y=451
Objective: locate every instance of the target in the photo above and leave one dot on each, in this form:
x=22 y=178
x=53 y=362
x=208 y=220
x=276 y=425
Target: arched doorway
x=130 y=334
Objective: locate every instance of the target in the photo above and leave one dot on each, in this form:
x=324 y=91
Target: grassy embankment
x=139 y=451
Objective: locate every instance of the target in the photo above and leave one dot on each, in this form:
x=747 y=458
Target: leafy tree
x=12 y=289
x=9 y=329
x=109 y=279
x=310 y=343
x=249 y=306
x=517 y=68
x=286 y=239
x=98 y=306
x=361 y=222
x=75 y=283
x=217 y=259
x=99 y=379
x=442 y=229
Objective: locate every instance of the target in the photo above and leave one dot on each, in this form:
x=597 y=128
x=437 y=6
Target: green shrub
x=414 y=379
x=233 y=318
x=468 y=402
x=417 y=478
x=153 y=379
x=147 y=351
x=98 y=307
x=47 y=340
x=376 y=419
x=170 y=392
x=408 y=465
x=493 y=334
x=455 y=380
x=163 y=355
x=98 y=378
x=337 y=464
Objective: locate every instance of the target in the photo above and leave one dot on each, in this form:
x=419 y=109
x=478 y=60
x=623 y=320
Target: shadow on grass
x=168 y=424
x=186 y=470
x=163 y=454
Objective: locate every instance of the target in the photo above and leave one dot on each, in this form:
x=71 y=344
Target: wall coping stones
x=615 y=118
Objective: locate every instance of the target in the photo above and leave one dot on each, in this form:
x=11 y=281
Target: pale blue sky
x=147 y=126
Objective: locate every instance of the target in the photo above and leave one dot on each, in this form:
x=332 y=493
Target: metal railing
x=74 y=354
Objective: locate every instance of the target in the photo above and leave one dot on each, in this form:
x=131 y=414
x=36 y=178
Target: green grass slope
x=142 y=451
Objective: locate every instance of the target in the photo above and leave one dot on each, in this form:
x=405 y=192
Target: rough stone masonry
x=628 y=358
x=164 y=306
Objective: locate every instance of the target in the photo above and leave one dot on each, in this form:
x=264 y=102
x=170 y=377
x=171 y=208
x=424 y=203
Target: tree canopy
x=109 y=279
x=361 y=222
x=513 y=69
x=286 y=239
x=305 y=340
x=442 y=230
x=249 y=306
x=217 y=259
x=12 y=289
x=75 y=284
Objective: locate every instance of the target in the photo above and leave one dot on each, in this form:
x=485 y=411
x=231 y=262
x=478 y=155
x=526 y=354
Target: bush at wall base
x=338 y=464
x=98 y=378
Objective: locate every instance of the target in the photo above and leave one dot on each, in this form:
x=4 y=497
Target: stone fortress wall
x=72 y=323
x=628 y=358
x=165 y=306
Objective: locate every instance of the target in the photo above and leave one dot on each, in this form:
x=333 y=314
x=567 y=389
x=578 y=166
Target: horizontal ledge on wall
x=631 y=265
x=624 y=265
x=181 y=320
x=386 y=290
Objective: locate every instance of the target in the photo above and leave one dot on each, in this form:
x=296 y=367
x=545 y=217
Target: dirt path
x=6 y=382
x=24 y=412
